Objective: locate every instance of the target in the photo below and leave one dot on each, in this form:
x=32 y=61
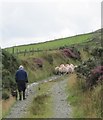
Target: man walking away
x=21 y=80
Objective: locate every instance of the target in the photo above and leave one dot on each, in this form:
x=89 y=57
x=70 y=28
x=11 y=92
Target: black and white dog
x=14 y=93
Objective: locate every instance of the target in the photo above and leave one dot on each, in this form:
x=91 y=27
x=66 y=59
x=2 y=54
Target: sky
x=33 y=21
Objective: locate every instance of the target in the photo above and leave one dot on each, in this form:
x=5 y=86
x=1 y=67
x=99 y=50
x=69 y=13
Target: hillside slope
x=55 y=44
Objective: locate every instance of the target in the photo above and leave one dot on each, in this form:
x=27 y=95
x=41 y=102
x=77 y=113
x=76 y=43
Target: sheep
x=62 y=69
x=57 y=70
x=72 y=67
x=67 y=68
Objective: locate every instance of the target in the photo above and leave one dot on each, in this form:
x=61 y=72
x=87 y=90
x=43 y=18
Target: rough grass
x=41 y=106
x=85 y=104
x=6 y=105
x=0 y=109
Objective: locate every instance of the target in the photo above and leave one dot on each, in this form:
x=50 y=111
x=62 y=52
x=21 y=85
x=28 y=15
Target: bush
x=91 y=72
x=5 y=96
x=71 y=52
x=10 y=64
x=95 y=75
x=39 y=62
x=98 y=52
x=49 y=58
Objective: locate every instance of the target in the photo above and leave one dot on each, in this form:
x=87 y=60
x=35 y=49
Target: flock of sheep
x=65 y=69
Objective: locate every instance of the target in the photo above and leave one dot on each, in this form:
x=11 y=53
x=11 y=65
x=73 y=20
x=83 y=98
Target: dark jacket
x=21 y=75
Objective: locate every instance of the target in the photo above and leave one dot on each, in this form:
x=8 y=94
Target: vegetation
x=9 y=66
x=0 y=109
x=92 y=70
x=5 y=95
x=51 y=44
x=41 y=106
x=88 y=102
x=85 y=86
x=6 y=106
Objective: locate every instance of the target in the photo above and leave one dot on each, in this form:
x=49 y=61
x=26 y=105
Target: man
x=21 y=80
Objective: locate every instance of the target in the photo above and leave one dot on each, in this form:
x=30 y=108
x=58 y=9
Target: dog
x=14 y=93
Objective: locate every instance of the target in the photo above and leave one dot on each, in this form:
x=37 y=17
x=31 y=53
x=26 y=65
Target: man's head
x=21 y=67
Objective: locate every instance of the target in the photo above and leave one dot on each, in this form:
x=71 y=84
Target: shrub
x=71 y=52
x=98 y=52
x=91 y=72
x=49 y=58
x=95 y=75
x=38 y=61
x=86 y=67
x=10 y=64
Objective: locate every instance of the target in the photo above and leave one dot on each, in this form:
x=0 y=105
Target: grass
x=0 y=109
x=85 y=104
x=41 y=106
x=54 y=44
x=84 y=55
x=6 y=105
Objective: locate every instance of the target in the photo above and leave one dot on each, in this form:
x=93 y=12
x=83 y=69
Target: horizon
x=26 y=44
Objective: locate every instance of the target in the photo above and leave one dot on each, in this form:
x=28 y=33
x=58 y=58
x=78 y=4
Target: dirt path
x=60 y=106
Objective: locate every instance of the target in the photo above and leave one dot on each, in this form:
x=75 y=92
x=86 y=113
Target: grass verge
x=6 y=106
x=41 y=106
x=85 y=104
x=0 y=109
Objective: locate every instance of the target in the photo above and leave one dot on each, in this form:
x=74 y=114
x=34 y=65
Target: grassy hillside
x=53 y=44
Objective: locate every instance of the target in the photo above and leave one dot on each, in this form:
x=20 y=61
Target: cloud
x=37 y=20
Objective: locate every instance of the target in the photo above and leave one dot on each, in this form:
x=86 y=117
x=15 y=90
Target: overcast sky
x=32 y=21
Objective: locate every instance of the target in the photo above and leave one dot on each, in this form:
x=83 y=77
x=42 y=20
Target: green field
x=53 y=44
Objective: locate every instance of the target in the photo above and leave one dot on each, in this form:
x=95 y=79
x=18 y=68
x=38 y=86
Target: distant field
x=54 y=44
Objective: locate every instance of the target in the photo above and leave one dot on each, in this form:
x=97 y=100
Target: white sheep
x=57 y=70
x=62 y=69
x=67 y=68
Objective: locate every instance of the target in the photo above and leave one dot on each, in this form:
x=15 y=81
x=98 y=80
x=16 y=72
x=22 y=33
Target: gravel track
x=60 y=106
x=20 y=107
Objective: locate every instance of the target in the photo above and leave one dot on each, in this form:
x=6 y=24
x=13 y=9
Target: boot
x=24 y=95
x=19 y=95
